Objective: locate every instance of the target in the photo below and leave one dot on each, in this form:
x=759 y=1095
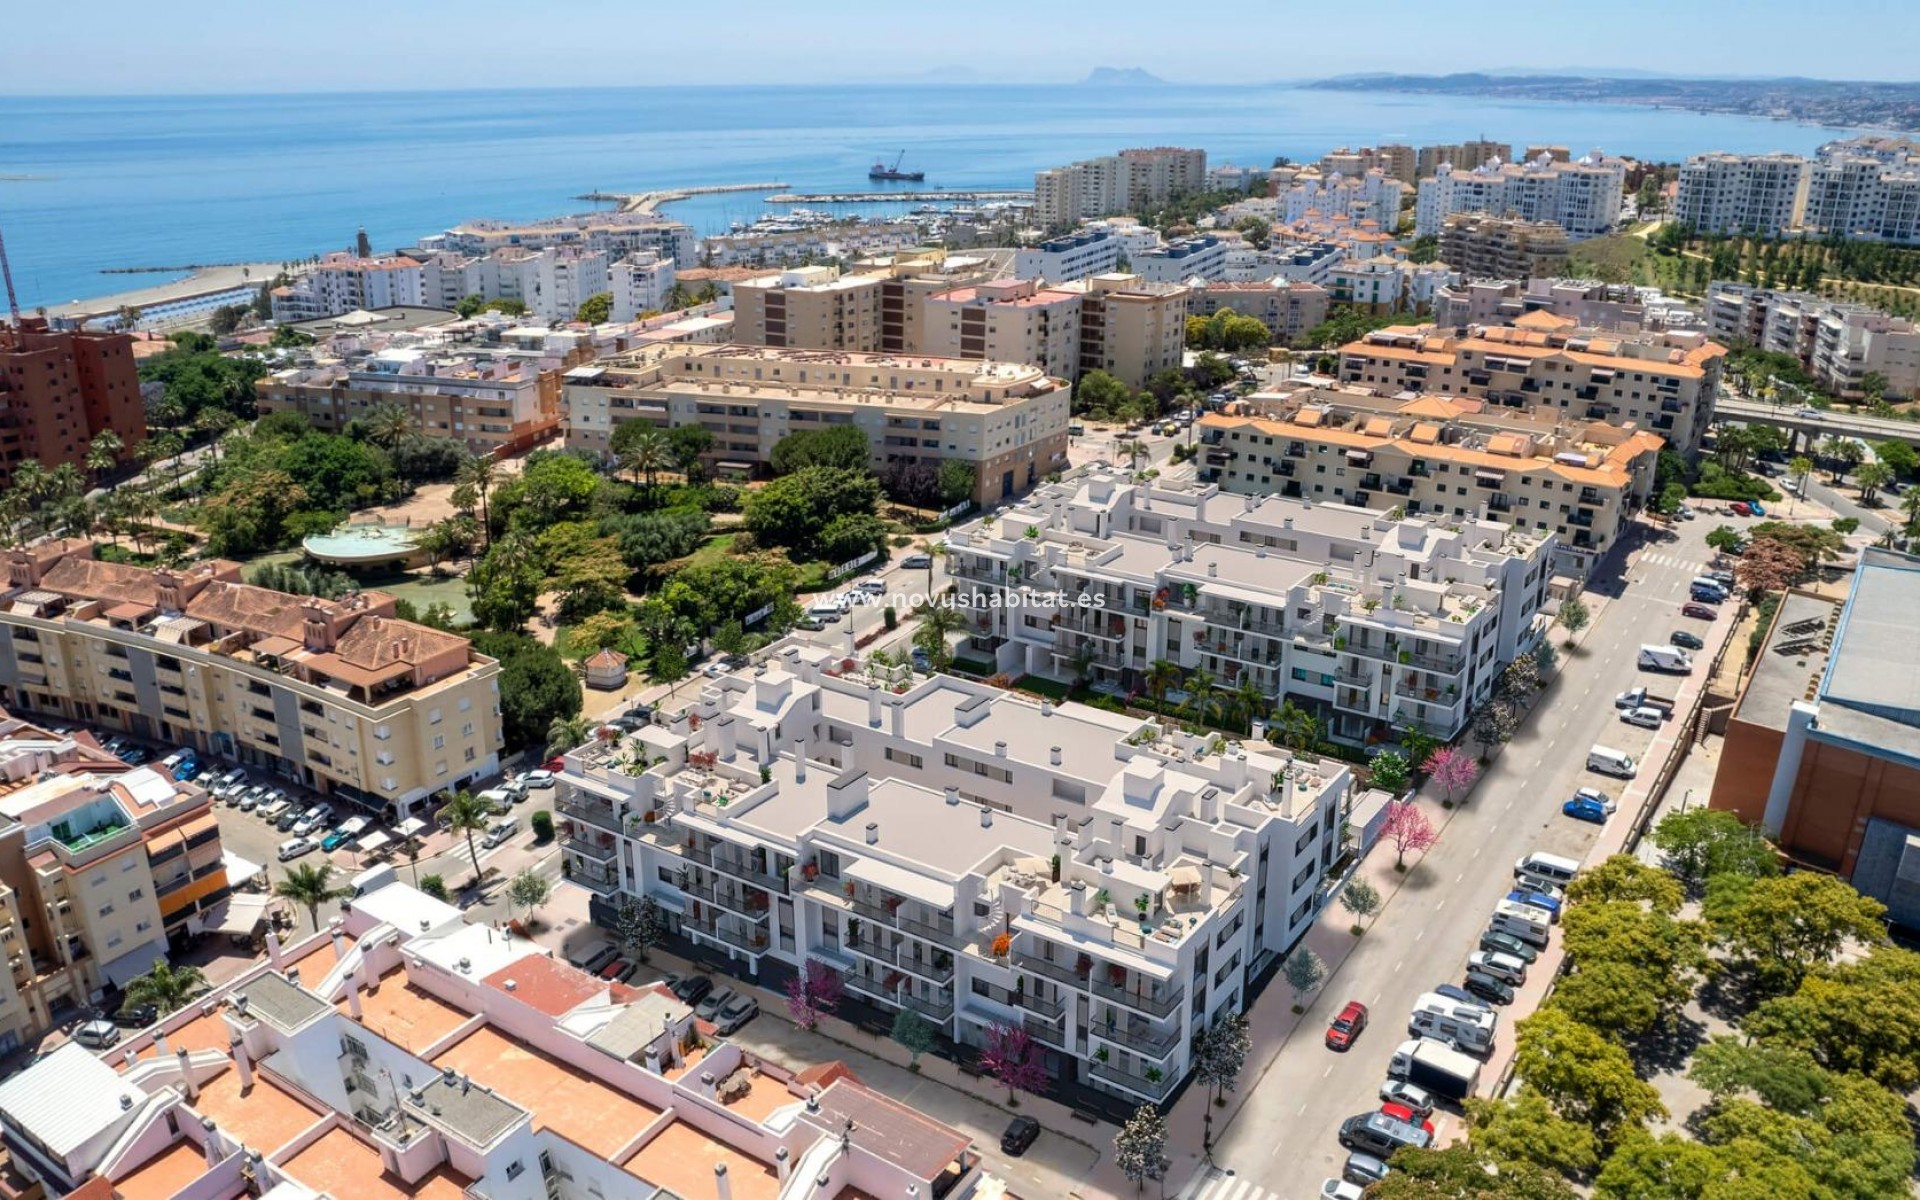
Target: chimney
x=899 y=722
x=986 y=817
x=1213 y=569
x=727 y=736
x=210 y=1140
x=953 y=795
x=1077 y=898
x=783 y=1160
x=707 y=1084
x=353 y=992
x=799 y=760
x=186 y=1075
x=273 y=949
x=1046 y=708
x=1206 y=882
x=722 y=1186
x=243 y=1062
x=653 y=1060
x=337 y=930
x=1053 y=755
x=846 y=795
x=1286 y=522
x=873 y=705
x=873 y=833
x=999 y=749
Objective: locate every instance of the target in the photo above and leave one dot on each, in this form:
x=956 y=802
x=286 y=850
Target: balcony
x=598 y=814
x=1043 y=969
x=1157 y=1005
x=930 y=969
x=1153 y=1087
x=738 y=868
x=596 y=881
x=597 y=847
x=740 y=903
x=752 y=942
x=1138 y=1037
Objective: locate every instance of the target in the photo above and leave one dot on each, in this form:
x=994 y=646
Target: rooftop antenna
x=6 y=272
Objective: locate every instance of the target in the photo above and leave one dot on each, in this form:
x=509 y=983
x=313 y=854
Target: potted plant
x=853 y=929
x=1002 y=945
x=1142 y=903
x=1083 y=966
x=1101 y=1055
x=1056 y=868
x=1116 y=975
x=1155 y=1075
x=849 y=889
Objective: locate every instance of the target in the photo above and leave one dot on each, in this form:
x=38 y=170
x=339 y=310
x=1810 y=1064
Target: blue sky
x=383 y=45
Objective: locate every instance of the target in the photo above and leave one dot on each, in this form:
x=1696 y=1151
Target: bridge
x=1818 y=423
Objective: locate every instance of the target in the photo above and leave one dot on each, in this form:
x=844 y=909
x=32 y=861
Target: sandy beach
x=207 y=279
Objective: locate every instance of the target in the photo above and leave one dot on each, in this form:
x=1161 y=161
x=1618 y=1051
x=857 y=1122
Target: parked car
x=1646 y=716
x=291 y=817
x=1598 y=797
x=917 y=562
x=921 y=662
x=1347 y=1026
x=1487 y=987
x=1401 y=1112
x=1698 y=611
x=1411 y=1095
x=1584 y=810
x=592 y=960
x=97 y=1035
x=1725 y=579
x=1341 y=1189
x=715 y=1000
x=1740 y=508
x=1506 y=943
x=1019 y=1136
x=736 y=1014
x=294 y=847
x=1690 y=641
x=345 y=832
x=309 y=824
x=1364 y=1169
x=1631 y=698
x=617 y=971
x=1755 y=508
x=501 y=830
x=136 y=1016
x=536 y=779
x=810 y=624
x=1510 y=971
x=691 y=988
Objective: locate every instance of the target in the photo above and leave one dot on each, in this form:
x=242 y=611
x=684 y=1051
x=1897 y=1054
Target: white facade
x=1182 y=259
x=1741 y=193
x=449 y=278
x=1583 y=197
x=615 y=234
x=342 y=283
x=1369 y=197
x=1115 y=183
x=1866 y=188
x=1075 y=256
x=640 y=283
x=552 y=282
x=1839 y=343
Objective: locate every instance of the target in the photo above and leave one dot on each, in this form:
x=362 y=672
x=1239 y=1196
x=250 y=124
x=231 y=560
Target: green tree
x=1588 y=1078
x=936 y=623
x=1524 y=1129
x=1140 y=1148
x=1100 y=394
x=844 y=447
x=480 y=472
x=167 y=988
x=1706 y=841
x=1625 y=879
x=596 y=309
x=1462 y=1172
x=1304 y=971
x=536 y=686
x=688 y=445
x=1294 y=726
x=527 y=891
x=1899 y=457
x=1670 y=499
x=1391 y=773
x=1360 y=898
x=1221 y=1054
x=1573 y=616
x=956 y=480
x=468 y=814
x=1725 y=539
x=640 y=927
x=794 y=509
x=435 y=886
x=310 y=885
x=640 y=449
x=103 y=453
x=1870 y=478
x=915 y=1034
x=1162 y=674
x=504 y=586
x=1780 y=927
x=1861 y=1017
x=568 y=733
x=1874 y=386
x=387 y=425
x=1783 y=1077
x=1669 y=1167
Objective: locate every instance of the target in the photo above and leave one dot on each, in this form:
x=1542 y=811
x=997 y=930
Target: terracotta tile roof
x=1542 y=319
x=919 y=1145
x=96 y=580
x=374 y=642
x=244 y=606
x=607 y=658
x=546 y=984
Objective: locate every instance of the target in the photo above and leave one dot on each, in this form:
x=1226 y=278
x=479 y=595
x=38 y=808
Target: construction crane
x=6 y=272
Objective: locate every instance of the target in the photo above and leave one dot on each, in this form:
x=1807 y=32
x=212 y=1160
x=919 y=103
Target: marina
x=896 y=197
x=647 y=202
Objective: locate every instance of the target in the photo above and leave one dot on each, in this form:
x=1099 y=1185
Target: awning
x=241 y=913
x=1185 y=876
x=902 y=882
x=411 y=827
x=239 y=870
x=135 y=963
x=374 y=841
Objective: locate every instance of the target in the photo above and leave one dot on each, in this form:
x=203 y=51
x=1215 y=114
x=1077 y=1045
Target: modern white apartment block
x=1369 y=196
x=1582 y=197
x=1102 y=187
x=1202 y=256
x=615 y=234
x=448 y=278
x=402 y=1053
x=1742 y=193
x=553 y=281
x=343 y=283
x=978 y=856
x=640 y=283
x=1664 y=382
x=1439 y=458
x=1839 y=343
x=1070 y=256
x=1376 y=623
x=1386 y=283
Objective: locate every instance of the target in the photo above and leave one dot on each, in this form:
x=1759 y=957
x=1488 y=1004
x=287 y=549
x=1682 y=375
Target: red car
x=1700 y=611
x=1401 y=1112
x=1347 y=1026
x=1741 y=508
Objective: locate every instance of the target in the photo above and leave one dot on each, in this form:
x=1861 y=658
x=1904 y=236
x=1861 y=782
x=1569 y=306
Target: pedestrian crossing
x=1694 y=566
x=1215 y=1184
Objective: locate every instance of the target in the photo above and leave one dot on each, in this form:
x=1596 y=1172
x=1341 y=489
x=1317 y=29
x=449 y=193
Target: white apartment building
x=1385 y=283
x=1377 y=624
x=1588 y=303
x=343 y=283
x=640 y=283
x=1202 y=256
x=1071 y=256
x=615 y=234
x=553 y=281
x=1742 y=193
x=1582 y=197
x=982 y=858
x=448 y=278
x=1372 y=196
x=1839 y=343
x=1102 y=187
x=1134 y=238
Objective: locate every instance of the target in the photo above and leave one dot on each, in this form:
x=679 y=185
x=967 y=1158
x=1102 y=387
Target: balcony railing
x=1159 y=1006
x=600 y=815
x=737 y=868
x=1044 y=1031
x=1051 y=970
x=733 y=902
x=753 y=943
x=595 y=882
x=1141 y=1039
x=1138 y=1084
x=590 y=847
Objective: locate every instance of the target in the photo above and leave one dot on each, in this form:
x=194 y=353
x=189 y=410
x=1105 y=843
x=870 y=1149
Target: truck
x=1437 y=1068
x=1640 y=697
x=1670 y=659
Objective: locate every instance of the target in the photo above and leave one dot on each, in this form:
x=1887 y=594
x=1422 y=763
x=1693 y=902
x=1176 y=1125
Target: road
x=1284 y=1138
x=1828 y=423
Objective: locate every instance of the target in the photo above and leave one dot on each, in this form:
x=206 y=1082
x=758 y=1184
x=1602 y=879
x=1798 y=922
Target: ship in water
x=880 y=170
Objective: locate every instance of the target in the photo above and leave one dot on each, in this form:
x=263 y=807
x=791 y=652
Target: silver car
x=732 y=1016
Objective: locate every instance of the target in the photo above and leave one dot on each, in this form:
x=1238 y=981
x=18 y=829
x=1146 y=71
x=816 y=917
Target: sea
x=88 y=183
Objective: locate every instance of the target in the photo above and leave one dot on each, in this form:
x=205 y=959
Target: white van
x=1523 y=921
x=1466 y=1026
x=1555 y=869
x=1608 y=761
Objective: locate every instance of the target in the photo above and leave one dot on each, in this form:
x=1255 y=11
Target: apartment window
x=113 y=941
x=515 y=1169
x=467 y=729
x=433 y=716
x=440 y=768
x=466 y=702
x=143 y=926
x=470 y=754
x=439 y=741
x=382 y=732
x=906 y=757
x=106 y=910
x=136 y=893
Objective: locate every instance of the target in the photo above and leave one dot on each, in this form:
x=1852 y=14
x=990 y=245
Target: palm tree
x=1161 y=675
x=480 y=472
x=936 y=622
x=1199 y=689
x=214 y=423
x=646 y=454
x=1299 y=729
x=388 y=425
x=932 y=550
x=166 y=988
x=1910 y=505
x=466 y=813
x=568 y=732
x=1249 y=701
x=103 y=453
x=312 y=886
x=1133 y=450
x=1871 y=477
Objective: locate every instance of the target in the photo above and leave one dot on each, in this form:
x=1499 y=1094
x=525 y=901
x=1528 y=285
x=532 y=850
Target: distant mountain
x=1122 y=77
x=951 y=73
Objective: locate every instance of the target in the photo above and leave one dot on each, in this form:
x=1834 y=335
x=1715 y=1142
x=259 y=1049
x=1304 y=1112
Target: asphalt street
x=1283 y=1139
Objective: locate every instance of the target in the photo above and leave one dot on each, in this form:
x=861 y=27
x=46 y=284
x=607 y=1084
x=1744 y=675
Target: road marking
x=1398 y=965
x=1457 y=878
x=1439 y=906
x=1550 y=742
x=1326 y=1072
x=1477 y=850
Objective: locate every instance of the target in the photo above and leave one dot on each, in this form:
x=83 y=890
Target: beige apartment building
x=100 y=865
x=1288 y=310
x=1114 y=184
x=1438 y=457
x=879 y=308
x=494 y=404
x=1008 y=419
x=1480 y=246
x=338 y=695
x=1012 y=320
x=1661 y=382
x=1129 y=328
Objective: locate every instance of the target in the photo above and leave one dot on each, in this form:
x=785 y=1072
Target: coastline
x=193 y=283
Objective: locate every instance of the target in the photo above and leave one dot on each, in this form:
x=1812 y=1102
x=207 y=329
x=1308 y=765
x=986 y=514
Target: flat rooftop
x=681 y=1159
x=404 y=1014
x=262 y=1116
x=340 y=1164
x=166 y=1173
x=570 y=1102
